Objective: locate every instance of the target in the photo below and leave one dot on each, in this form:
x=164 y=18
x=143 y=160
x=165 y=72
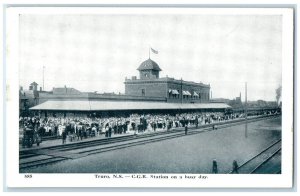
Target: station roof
x=149 y=64
x=87 y=105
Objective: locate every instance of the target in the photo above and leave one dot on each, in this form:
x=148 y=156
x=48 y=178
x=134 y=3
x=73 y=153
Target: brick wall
x=149 y=74
x=151 y=89
x=161 y=87
x=199 y=89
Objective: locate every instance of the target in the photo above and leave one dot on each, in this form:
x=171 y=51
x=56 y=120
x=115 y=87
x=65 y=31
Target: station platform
x=57 y=142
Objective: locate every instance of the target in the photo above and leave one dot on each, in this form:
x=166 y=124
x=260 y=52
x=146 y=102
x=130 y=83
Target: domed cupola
x=149 y=69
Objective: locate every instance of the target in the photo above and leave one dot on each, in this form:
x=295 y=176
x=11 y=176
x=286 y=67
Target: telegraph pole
x=181 y=90
x=246 y=112
x=43 y=76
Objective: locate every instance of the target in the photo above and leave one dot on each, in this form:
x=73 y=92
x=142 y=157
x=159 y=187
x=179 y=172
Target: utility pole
x=43 y=76
x=246 y=112
x=181 y=90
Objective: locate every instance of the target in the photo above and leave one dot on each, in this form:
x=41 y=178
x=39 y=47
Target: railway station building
x=174 y=90
x=149 y=93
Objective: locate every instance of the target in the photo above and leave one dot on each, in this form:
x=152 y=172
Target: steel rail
x=257 y=155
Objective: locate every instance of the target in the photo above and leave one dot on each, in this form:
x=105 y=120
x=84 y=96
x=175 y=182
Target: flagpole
x=246 y=112
x=149 y=52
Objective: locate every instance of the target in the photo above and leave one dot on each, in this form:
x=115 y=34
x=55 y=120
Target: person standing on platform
x=215 y=167
x=109 y=131
x=185 y=129
x=64 y=137
x=93 y=131
x=60 y=130
x=77 y=131
x=124 y=127
x=115 y=129
x=235 y=167
x=106 y=130
x=80 y=133
x=196 y=121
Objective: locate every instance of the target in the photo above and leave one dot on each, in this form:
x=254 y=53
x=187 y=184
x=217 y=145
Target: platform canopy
x=122 y=105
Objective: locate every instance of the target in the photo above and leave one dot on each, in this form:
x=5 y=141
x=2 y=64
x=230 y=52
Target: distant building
x=173 y=90
x=220 y=100
x=65 y=90
x=234 y=103
x=33 y=86
x=28 y=98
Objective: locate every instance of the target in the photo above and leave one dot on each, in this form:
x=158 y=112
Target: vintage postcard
x=149 y=97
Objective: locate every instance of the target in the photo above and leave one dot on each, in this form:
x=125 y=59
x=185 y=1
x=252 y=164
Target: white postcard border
x=14 y=179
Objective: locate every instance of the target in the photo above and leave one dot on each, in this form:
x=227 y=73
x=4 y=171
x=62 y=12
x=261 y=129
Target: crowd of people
x=78 y=128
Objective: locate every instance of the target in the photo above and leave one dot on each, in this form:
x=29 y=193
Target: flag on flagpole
x=154 y=51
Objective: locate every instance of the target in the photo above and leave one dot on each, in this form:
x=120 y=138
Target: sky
x=96 y=52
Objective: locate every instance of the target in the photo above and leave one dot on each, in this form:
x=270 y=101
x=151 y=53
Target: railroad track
x=48 y=155
x=122 y=143
x=260 y=168
x=252 y=165
x=178 y=133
